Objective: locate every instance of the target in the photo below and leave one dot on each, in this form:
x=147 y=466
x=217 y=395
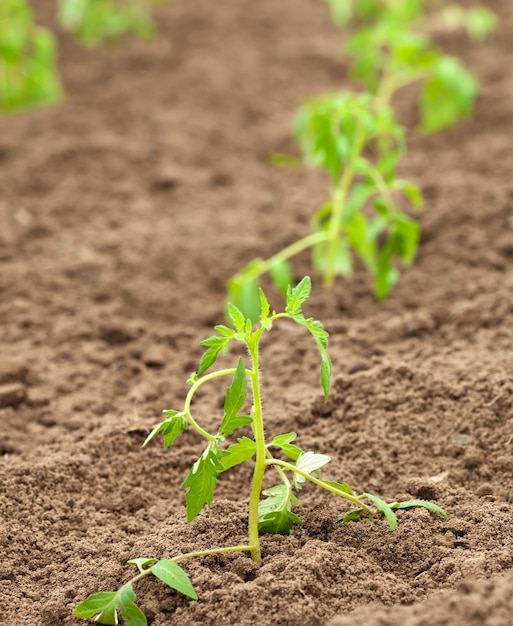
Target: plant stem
x=190 y=555
x=260 y=456
x=320 y=483
x=192 y=391
x=261 y=267
x=339 y=201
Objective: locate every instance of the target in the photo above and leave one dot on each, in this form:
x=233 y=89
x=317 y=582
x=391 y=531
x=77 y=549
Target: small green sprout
x=28 y=76
x=357 y=141
x=271 y=510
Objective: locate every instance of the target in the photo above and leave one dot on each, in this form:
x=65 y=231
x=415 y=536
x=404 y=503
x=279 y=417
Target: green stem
x=190 y=555
x=260 y=456
x=261 y=267
x=320 y=483
x=192 y=391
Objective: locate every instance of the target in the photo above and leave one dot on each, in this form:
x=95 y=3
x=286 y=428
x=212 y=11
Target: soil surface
x=123 y=211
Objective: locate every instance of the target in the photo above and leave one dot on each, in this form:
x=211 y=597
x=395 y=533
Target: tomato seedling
x=28 y=76
x=357 y=141
x=276 y=512
x=354 y=137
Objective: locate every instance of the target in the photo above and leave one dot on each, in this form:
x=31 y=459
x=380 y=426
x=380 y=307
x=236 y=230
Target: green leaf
x=215 y=345
x=382 y=506
x=239 y=452
x=265 y=309
x=174 y=576
x=321 y=339
x=234 y=401
x=98 y=603
x=201 y=481
x=284 y=442
x=310 y=462
x=297 y=296
x=448 y=95
x=281 y=275
x=105 y=606
x=274 y=514
x=353 y=516
x=430 y=506
x=172 y=427
x=237 y=317
x=278 y=522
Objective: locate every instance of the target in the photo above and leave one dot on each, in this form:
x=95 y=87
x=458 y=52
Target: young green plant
x=28 y=75
x=356 y=140
x=276 y=511
x=354 y=137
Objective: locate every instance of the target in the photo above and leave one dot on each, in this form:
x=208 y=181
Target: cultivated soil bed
x=122 y=214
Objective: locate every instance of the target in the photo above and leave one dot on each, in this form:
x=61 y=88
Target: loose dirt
x=123 y=211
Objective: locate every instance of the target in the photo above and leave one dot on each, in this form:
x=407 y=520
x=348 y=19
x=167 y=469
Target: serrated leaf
x=382 y=506
x=201 y=482
x=239 y=452
x=172 y=427
x=174 y=576
x=274 y=514
x=235 y=397
x=237 y=317
x=298 y=295
x=215 y=345
x=278 y=522
x=224 y=330
x=310 y=462
x=265 y=309
x=284 y=442
x=430 y=506
x=280 y=440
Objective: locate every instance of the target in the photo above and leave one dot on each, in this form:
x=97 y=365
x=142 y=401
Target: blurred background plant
x=29 y=74
x=354 y=137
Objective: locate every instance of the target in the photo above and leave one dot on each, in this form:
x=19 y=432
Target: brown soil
x=123 y=212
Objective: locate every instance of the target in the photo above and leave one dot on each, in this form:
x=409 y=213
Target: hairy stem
x=320 y=483
x=260 y=457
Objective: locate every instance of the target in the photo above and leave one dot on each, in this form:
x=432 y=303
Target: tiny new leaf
x=173 y=575
x=297 y=296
